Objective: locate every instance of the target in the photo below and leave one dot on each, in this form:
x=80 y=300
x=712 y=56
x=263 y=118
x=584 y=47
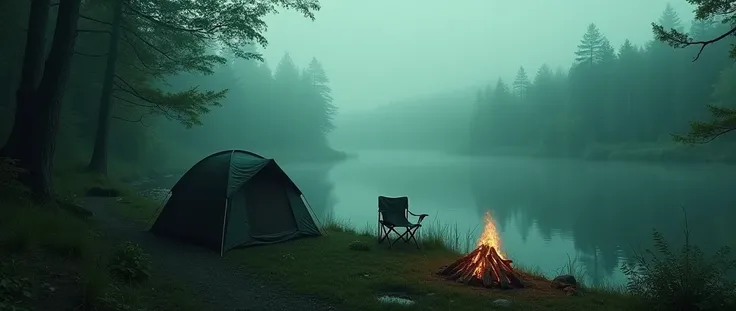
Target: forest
x=141 y=83
x=623 y=103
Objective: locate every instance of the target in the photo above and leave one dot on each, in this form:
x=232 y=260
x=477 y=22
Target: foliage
x=686 y=280
x=707 y=13
x=272 y=112
x=130 y=263
x=615 y=103
x=359 y=246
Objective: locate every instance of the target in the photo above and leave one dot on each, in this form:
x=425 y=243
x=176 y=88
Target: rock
x=505 y=303
x=565 y=280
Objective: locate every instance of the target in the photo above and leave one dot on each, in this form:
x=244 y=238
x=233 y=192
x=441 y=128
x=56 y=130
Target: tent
x=235 y=198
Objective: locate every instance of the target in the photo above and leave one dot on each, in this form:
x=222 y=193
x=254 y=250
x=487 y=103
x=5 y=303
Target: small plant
x=13 y=289
x=129 y=263
x=359 y=246
x=667 y=280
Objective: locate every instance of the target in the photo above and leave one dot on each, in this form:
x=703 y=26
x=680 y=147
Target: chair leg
x=390 y=242
x=383 y=234
x=412 y=236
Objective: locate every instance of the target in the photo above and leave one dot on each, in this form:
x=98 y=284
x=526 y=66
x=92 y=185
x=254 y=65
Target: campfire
x=486 y=265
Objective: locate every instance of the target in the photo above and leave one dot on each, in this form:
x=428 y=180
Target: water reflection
x=606 y=209
x=549 y=212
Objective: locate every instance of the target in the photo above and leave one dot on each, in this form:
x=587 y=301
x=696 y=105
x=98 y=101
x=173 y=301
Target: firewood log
x=487 y=281
x=460 y=261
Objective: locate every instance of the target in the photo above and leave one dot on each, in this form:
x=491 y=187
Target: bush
x=667 y=280
x=129 y=263
x=359 y=246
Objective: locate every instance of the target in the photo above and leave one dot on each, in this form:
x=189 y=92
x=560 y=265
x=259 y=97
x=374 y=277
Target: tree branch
x=139 y=120
x=93 y=31
x=151 y=45
x=137 y=53
x=201 y=31
x=684 y=41
x=94 y=19
x=90 y=55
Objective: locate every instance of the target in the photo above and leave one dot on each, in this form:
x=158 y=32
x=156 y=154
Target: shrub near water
x=667 y=280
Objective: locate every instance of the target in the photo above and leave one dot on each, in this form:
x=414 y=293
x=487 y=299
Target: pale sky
x=378 y=51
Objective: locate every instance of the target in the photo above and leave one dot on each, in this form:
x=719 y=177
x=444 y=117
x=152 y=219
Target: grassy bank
x=348 y=268
x=53 y=259
x=345 y=267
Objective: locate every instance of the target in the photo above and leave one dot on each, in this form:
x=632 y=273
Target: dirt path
x=221 y=286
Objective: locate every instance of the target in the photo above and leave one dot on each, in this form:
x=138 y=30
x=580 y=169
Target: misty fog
x=557 y=116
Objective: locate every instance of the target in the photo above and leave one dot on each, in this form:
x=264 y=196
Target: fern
x=683 y=281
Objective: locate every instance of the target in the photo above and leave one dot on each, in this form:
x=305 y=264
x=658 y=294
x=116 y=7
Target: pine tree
x=670 y=19
x=521 y=84
x=318 y=83
x=501 y=94
x=590 y=49
x=541 y=91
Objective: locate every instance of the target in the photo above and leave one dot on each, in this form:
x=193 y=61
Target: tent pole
x=309 y=206
x=224 y=222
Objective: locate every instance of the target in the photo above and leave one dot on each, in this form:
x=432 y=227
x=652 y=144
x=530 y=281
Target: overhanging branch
x=94 y=19
x=90 y=55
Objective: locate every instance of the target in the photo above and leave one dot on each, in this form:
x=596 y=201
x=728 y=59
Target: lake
x=548 y=212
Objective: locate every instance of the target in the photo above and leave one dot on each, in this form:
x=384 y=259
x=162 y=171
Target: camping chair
x=394 y=213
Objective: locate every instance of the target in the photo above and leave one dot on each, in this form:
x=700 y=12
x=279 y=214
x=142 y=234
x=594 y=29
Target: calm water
x=548 y=211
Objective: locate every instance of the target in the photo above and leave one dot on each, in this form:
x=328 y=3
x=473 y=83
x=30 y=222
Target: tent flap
x=242 y=169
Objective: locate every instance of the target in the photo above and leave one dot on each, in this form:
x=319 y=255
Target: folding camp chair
x=394 y=213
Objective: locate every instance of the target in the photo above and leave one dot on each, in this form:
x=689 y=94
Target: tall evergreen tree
x=521 y=84
x=590 y=49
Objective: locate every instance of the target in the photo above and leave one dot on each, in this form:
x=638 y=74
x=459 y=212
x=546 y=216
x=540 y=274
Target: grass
x=51 y=259
x=43 y=249
x=332 y=267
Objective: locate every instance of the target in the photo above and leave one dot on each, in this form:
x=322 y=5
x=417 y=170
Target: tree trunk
x=18 y=146
x=48 y=98
x=98 y=162
x=38 y=124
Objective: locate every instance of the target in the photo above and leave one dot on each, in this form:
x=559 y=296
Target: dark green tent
x=235 y=198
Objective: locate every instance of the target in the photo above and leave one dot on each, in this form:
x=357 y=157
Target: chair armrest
x=421 y=216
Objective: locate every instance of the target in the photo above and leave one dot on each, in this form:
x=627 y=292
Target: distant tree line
x=286 y=112
x=611 y=99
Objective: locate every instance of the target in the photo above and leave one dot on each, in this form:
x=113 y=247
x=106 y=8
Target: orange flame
x=489 y=238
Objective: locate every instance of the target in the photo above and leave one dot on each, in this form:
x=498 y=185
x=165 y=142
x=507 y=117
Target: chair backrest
x=393 y=210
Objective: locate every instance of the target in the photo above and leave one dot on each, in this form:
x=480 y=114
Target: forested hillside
x=284 y=114
x=152 y=88
x=617 y=101
x=431 y=122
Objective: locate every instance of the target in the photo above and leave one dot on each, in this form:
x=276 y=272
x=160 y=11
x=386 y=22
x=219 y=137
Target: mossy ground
x=332 y=268
x=51 y=259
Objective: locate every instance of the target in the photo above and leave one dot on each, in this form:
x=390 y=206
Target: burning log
x=483 y=266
